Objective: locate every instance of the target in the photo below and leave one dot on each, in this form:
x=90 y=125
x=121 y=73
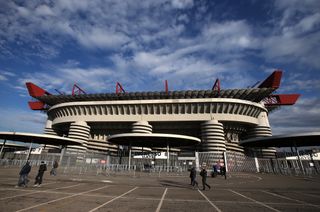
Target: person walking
x=191 y=180
x=54 y=168
x=193 y=175
x=223 y=172
x=42 y=169
x=23 y=179
x=203 y=174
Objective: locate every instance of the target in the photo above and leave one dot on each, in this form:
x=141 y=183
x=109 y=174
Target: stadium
x=216 y=120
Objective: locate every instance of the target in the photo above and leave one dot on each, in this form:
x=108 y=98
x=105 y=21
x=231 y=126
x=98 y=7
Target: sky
x=142 y=43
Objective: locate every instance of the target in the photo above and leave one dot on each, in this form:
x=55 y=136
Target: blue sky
x=95 y=44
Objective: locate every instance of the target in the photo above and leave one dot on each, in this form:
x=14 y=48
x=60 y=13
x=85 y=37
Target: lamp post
x=4 y=143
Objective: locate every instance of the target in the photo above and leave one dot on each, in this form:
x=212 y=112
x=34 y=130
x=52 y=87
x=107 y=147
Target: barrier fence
x=101 y=164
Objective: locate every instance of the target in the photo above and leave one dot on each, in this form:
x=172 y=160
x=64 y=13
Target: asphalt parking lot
x=240 y=192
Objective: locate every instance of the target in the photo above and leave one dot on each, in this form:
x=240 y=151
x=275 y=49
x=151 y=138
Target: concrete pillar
x=262 y=130
x=213 y=143
x=141 y=127
x=212 y=136
x=48 y=129
x=79 y=131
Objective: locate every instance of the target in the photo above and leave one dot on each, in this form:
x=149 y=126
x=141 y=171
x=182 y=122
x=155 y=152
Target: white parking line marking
x=62 y=198
x=106 y=181
x=211 y=203
x=51 y=190
x=65 y=187
x=24 y=194
x=288 y=198
x=113 y=200
x=161 y=201
x=260 y=203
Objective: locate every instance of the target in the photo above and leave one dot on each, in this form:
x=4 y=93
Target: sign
x=150 y=155
x=186 y=158
x=35 y=151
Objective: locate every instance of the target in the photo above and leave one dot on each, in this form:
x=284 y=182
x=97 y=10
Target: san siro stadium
x=133 y=127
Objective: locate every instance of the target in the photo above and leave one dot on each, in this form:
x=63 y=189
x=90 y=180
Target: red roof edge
x=273 y=81
x=282 y=99
x=37 y=105
x=36 y=91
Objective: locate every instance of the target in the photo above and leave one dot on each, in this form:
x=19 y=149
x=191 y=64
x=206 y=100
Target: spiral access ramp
x=212 y=137
x=80 y=131
x=141 y=127
x=262 y=131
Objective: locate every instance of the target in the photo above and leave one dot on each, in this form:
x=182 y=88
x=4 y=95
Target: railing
x=72 y=165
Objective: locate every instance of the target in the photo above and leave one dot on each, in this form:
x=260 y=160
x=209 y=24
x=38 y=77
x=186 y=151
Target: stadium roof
x=250 y=94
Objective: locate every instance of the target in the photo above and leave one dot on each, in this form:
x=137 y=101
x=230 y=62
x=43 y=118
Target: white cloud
x=296 y=35
x=229 y=36
x=3 y=78
x=300 y=82
x=182 y=4
x=100 y=38
x=304 y=116
x=305 y=25
x=91 y=79
x=184 y=18
x=290 y=8
x=303 y=85
x=12 y=119
x=24 y=12
x=5 y=74
x=155 y=35
x=94 y=24
x=150 y=25
x=73 y=5
x=44 y=10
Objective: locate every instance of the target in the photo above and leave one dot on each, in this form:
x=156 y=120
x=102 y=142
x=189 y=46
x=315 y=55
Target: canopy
x=153 y=140
x=297 y=139
x=38 y=138
x=13 y=147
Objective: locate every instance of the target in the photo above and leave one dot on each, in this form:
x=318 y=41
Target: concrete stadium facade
x=218 y=122
x=220 y=119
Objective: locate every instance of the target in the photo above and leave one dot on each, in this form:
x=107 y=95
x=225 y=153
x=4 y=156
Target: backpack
x=43 y=168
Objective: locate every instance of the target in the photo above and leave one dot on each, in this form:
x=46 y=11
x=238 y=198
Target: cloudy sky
x=95 y=44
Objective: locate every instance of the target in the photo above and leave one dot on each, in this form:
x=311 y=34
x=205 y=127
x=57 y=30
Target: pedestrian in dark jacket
x=42 y=169
x=193 y=175
x=223 y=172
x=203 y=174
x=54 y=168
x=23 y=179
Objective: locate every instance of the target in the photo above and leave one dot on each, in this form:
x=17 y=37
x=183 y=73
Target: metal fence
x=238 y=162
x=101 y=164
